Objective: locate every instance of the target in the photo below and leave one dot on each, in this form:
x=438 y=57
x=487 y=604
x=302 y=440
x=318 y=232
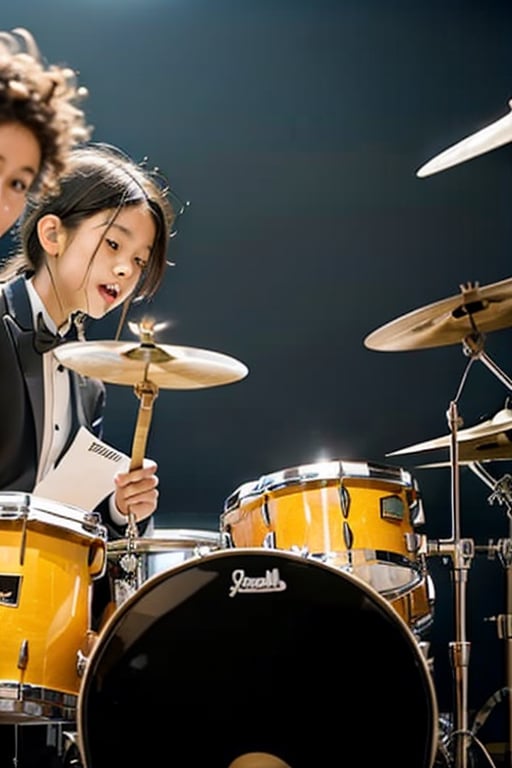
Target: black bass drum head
x=261 y=658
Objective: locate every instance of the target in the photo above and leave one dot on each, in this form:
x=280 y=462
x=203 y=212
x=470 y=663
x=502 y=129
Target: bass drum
x=269 y=659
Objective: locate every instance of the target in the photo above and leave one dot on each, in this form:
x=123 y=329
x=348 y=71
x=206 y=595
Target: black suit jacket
x=22 y=395
x=22 y=400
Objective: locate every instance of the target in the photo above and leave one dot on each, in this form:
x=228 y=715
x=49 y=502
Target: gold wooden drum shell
x=354 y=515
x=49 y=554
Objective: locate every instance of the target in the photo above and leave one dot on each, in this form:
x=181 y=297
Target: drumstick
x=147 y=392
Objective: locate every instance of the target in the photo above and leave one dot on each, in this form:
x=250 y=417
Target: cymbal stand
x=473 y=346
x=461 y=552
x=502 y=493
x=147 y=392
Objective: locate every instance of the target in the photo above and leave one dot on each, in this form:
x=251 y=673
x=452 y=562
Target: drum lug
x=348 y=536
x=226 y=539
x=344 y=500
x=81 y=663
x=417 y=511
x=269 y=542
x=265 y=512
x=304 y=552
x=23 y=655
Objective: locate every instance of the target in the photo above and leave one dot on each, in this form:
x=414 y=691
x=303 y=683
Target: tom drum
x=131 y=562
x=358 y=516
x=49 y=555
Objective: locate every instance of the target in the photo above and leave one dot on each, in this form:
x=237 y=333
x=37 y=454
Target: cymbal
x=449 y=321
x=491 y=137
x=487 y=441
x=169 y=367
x=462 y=462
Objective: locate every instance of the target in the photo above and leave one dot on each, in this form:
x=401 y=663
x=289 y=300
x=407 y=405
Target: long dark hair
x=99 y=177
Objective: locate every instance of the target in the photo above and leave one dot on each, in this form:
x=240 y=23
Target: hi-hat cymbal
x=486 y=441
x=169 y=367
x=491 y=137
x=449 y=321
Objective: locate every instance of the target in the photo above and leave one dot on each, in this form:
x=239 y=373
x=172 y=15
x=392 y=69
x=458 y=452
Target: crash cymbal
x=169 y=367
x=491 y=137
x=487 y=441
x=449 y=321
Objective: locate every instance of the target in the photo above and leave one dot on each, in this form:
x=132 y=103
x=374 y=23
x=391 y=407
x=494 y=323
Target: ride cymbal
x=491 y=137
x=168 y=367
x=449 y=321
x=487 y=441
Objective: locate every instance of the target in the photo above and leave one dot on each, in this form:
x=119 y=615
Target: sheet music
x=85 y=475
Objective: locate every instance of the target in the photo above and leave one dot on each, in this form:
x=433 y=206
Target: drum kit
x=242 y=630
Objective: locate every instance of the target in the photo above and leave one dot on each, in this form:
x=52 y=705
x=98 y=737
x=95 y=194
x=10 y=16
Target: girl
x=40 y=120
x=97 y=242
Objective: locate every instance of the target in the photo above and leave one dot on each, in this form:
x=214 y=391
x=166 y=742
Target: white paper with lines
x=85 y=474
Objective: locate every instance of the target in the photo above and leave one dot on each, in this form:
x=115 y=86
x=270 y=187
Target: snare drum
x=49 y=556
x=133 y=561
x=357 y=516
x=242 y=647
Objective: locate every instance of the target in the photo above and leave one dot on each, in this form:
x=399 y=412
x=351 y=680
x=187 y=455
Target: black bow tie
x=44 y=339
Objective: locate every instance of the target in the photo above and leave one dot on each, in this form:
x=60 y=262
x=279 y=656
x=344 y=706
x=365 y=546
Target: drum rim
x=18 y=505
x=162 y=544
x=302 y=474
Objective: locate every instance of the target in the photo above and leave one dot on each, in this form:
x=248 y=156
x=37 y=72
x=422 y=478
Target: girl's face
x=94 y=278
x=20 y=159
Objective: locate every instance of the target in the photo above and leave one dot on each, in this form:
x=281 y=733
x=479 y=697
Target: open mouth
x=110 y=291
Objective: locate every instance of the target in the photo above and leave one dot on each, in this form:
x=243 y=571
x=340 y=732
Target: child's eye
x=141 y=263
x=19 y=186
x=112 y=244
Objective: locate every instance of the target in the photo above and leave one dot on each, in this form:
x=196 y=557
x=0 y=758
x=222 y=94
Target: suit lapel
x=31 y=362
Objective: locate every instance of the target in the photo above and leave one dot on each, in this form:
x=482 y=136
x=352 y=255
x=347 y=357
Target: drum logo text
x=270 y=582
x=9 y=589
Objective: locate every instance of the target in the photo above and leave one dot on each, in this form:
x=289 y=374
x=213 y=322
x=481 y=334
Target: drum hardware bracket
x=473 y=344
x=459 y=653
x=502 y=549
x=473 y=347
x=461 y=551
x=129 y=561
x=503 y=625
x=416 y=542
x=502 y=493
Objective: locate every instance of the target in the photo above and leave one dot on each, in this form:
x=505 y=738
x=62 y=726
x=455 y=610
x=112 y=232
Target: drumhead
x=256 y=651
